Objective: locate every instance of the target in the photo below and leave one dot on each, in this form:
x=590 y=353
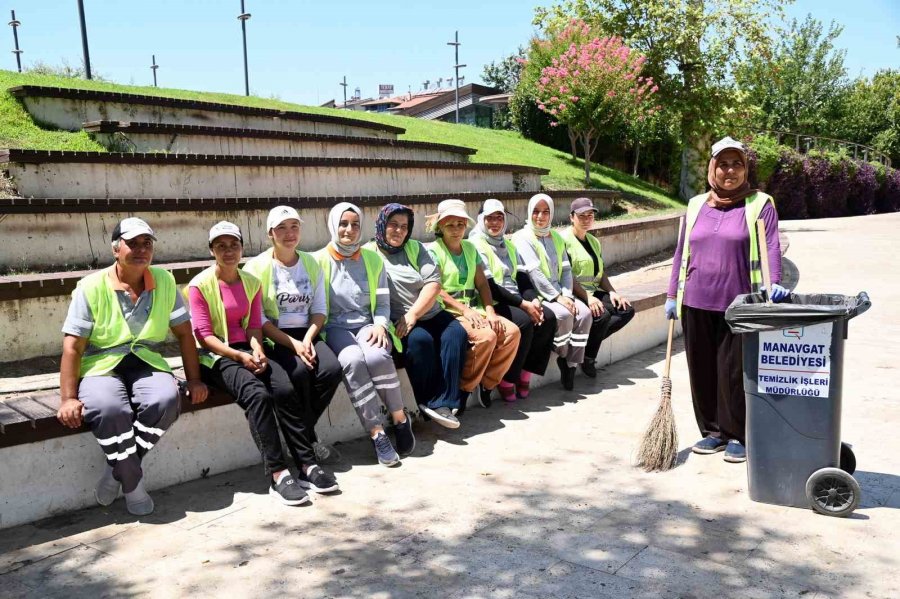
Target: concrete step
x=43 y=174
x=34 y=305
x=213 y=437
x=71 y=233
x=203 y=139
x=67 y=108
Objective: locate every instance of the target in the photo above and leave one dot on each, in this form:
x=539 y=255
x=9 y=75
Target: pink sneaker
x=507 y=391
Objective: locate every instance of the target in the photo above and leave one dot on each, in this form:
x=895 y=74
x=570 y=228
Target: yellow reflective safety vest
x=581 y=260
x=208 y=284
x=111 y=339
x=374 y=265
x=261 y=267
x=494 y=264
x=753 y=207
x=411 y=249
x=527 y=235
x=464 y=292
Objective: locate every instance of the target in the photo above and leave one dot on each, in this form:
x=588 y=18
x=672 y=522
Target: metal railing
x=803 y=143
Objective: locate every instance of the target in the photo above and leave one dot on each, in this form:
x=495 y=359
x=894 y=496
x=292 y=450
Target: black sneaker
x=317 y=480
x=288 y=492
x=484 y=397
x=566 y=374
x=403 y=435
x=589 y=368
x=385 y=451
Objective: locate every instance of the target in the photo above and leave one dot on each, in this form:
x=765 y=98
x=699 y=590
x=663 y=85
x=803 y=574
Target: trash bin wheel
x=832 y=492
x=848 y=459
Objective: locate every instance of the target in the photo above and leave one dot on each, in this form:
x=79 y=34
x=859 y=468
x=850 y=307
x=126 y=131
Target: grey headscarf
x=539 y=231
x=334 y=218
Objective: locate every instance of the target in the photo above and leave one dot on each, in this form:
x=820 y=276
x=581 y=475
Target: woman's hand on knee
x=306 y=352
x=477 y=320
x=378 y=337
x=595 y=305
x=70 y=412
x=618 y=301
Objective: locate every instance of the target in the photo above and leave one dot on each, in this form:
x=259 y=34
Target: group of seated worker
x=280 y=333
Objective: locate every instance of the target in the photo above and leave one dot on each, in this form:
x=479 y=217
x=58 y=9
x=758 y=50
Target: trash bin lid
x=750 y=313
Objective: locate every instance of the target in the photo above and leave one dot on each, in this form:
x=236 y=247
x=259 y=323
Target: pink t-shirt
x=236 y=306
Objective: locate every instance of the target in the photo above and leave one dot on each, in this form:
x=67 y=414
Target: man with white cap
x=112 y=376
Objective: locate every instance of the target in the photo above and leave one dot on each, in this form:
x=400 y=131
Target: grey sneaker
x=442 y=416
x=288 y=491
x=317 y=480
x=387 y=456
x=326 y=454
x=107 y=488
x=139 y=502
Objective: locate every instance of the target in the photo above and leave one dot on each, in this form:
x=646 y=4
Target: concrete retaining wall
x=249 y=146
x=623 y=241
x=70 y=114
x=216 y=439
x=147 y=181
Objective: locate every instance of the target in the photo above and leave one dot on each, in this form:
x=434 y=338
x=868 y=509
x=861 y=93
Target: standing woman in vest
x=544 y=258
x=537 y=323
x=434 y=344
x=226 y=308
x=717 y=259
x=610 y=310
x=358 y=330
x=293 y=300
x=111 y=375
x=465 y=292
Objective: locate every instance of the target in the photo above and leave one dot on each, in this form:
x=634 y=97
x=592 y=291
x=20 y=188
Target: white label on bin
x=795 y=361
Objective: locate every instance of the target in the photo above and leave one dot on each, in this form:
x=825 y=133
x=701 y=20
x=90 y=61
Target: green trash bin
x=793 y=375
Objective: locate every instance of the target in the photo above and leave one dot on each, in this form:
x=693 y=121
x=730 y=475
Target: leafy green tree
x=504 y=75
x=800 y=86
x=872 y=113
x=691 y=46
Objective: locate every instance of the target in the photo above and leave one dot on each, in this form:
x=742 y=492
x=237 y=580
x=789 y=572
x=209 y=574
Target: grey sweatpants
x=369 y=373
x=571 y=331
x=128 y=411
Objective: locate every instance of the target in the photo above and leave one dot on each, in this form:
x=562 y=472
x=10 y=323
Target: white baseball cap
x=129 y=228
x=492 y=206
x=225 y=228
x=279 y=214
x=728 y=143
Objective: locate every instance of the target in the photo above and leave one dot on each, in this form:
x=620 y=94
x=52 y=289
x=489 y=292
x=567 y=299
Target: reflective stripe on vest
x=262 y=268
x=111 y=339
x=208 y=284
x=462 y=292
x=753 y=207
x=374 y=265
x=559 y=244
x=581 y=261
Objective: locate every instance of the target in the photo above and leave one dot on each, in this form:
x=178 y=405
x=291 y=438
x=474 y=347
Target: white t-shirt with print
x=295 y=297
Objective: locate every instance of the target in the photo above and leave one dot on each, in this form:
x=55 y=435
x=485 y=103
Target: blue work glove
x=779 y=293
x=671 y=310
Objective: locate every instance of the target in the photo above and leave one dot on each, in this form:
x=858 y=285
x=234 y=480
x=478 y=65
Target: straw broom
x=659 y=446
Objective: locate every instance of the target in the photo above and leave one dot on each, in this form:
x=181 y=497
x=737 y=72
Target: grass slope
x=19 y=131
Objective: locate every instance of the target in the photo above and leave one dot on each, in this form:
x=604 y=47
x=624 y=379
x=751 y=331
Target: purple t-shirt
x=719 y=266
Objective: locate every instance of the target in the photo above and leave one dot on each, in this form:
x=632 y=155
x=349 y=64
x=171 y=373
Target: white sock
x=375 y=436
x=281 y=476
x=572 y=365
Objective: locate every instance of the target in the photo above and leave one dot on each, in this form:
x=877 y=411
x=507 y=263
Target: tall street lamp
x=455 y=43
x=243 y=18
x=15 y=25
x=84 y=41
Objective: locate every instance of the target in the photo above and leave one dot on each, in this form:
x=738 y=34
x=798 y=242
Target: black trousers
x=315 y=388
x=268 y=401
x=715 y=365
x=611 y=321
x=535 y=345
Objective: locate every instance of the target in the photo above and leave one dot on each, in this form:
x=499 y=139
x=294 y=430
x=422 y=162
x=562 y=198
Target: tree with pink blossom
x=595 y=84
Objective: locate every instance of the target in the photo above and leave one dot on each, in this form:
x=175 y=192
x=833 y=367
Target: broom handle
x=764 y=258
x=669 y=348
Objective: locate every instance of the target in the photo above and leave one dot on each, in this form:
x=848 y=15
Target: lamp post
x=455 y=43
x=243 y=18
x=153 y=68
x=344 y=85
x=84 y=41
x=15 y=25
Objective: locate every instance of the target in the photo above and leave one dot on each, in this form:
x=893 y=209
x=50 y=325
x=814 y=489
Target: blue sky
x=300 y=50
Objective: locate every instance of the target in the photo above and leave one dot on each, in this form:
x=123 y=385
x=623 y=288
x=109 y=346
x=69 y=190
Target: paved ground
x=532 y=500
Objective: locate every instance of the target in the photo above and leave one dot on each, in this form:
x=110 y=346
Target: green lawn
x=18 y=130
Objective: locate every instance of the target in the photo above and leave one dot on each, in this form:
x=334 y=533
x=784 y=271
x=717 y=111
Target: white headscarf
x=539 y=231
x=479 y=231
x=334 y=218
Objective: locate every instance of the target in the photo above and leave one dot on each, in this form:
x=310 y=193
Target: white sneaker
x=442 y=416
x=107 y=488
